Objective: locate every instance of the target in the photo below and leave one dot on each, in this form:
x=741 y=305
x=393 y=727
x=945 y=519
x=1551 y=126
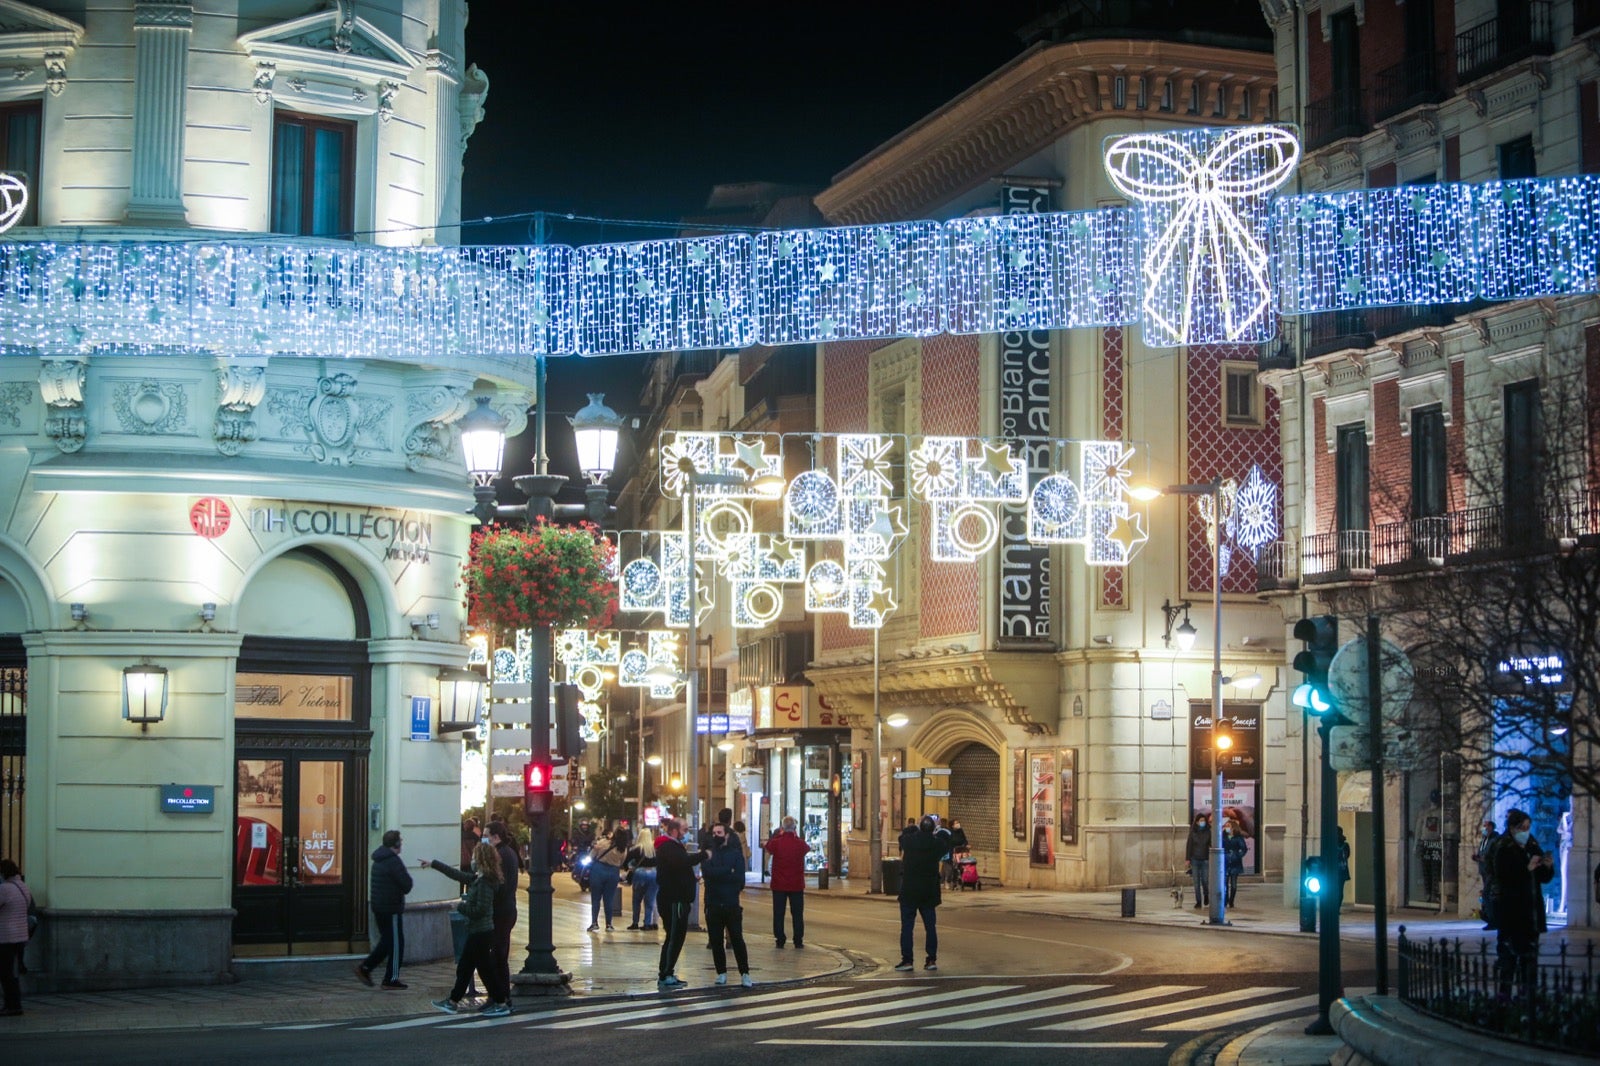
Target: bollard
x=822 y=877
x=1128 y=896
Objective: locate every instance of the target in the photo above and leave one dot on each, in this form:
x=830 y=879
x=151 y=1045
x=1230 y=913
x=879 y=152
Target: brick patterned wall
x=1222 y=451
x=1323 y=458
x=950 y=598
x=1383 y=40
x=1455 y=437
x=975 y=795
x=1390 y=457
x=1113 y=587
x=1591 y=341
x=846 y=376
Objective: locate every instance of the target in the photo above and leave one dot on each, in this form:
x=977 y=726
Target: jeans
x=729 y=920
x=1233 y=887
x=908 y=925
x=602 y=889
x=644 y=892
x=391 y=946
x=675 y=924
x=1201 y=872
x=479 y=954
x=503 y=925
x=1516 y=962
x=796 y=902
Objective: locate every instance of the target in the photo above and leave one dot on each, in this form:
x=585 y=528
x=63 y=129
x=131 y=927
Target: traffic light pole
x=1328 y=975
x=540 y=975
x=1380 y=864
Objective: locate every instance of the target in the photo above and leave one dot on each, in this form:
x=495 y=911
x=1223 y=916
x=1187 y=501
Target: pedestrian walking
x=505 y=896
x=788 y=853
x=1521 y=870
x=480 y=953
x=641 y=874
x=919 y=892
x=675 y=888
x=1344 y=865
x=386 y=892
x=605 y=878
x=1197 y=853
x=724 y=876
x=16 y=901
x=1234 y=847
x=1484 y=857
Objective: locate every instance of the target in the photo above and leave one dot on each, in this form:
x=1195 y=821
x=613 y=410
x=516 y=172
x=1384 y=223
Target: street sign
x=936 y=771
x=907 y=775
x=1347 y=677
x=1349 y=748
x=935 y=793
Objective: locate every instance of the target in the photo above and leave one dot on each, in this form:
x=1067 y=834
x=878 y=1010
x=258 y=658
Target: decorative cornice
x=1025 y=106
x=160 y=14
x=985 y=679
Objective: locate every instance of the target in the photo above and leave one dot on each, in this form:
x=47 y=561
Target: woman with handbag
x=479 y=953
x=15 y=903
x=605 y=874
x=641 y=867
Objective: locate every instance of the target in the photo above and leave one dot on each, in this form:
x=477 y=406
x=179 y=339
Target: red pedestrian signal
x=536 y=778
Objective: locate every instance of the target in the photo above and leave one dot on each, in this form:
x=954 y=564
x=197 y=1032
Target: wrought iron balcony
x=1333 y=118
x=1343 y=555
x=1419 y=80
x=1418 y=543
x=1277 y=567
x=1503 y=40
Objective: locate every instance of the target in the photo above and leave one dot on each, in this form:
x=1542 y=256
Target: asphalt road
x=1011 y=987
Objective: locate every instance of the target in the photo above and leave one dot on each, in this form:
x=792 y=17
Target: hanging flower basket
x=541 y=576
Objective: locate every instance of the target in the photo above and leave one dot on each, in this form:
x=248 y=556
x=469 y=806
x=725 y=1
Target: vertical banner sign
x=1042 y=807
x=1241 y=770
x=1069 y=795
x=1024 y=413
x=1019 y=794
x=421 y=718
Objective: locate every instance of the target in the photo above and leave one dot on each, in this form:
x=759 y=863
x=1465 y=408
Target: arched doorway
x=975 y=795
x=302 y=727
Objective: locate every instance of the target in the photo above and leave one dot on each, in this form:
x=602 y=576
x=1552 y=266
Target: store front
x=806 y=775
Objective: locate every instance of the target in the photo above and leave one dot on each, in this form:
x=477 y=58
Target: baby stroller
x=966 y=875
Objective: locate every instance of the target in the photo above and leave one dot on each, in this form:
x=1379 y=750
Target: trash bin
x=891 y=877
x=1128 y=902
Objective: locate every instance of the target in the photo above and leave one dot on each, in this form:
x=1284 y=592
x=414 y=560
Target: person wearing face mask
x=1234 y=848
x=1197 y=853
x=674 y=889
x=723 y=871
x=1521 y=869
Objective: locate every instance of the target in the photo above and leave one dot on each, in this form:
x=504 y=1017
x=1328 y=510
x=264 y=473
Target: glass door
x=293 y=882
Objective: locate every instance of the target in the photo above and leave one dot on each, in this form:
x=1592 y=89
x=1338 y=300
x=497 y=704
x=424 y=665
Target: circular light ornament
x=763 y=602
x=590 y=680
x=13 y=200
x=973 y=528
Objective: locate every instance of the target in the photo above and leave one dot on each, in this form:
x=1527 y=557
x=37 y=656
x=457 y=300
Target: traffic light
x=536 y=777
x=1310 y=892
x=1222 y=735
x=1321 y=636
x=569 y=722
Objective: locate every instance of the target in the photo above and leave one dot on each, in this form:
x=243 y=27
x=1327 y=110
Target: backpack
x=1491 y=883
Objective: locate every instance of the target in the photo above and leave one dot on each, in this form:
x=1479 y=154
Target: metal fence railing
x=1551 y=1000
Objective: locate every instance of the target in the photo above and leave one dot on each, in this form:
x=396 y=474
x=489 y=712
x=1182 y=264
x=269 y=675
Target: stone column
x=161 y=79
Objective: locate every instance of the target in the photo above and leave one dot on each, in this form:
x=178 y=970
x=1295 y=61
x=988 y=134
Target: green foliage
x=558 y=577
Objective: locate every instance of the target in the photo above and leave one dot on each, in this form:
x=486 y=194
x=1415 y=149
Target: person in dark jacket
x=674 y=890
x=1521 y=869
x=387 y=896
x=788 y=853
x=505 y=896
x=907 y=833
x=1234 y=847
x=1197 y=853
x=919 y=892
x=723 y=870
x=479 y=952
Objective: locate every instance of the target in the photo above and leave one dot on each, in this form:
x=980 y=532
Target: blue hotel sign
x=188 y=799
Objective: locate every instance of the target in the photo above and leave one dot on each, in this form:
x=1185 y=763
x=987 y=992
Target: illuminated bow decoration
x=1200 y=197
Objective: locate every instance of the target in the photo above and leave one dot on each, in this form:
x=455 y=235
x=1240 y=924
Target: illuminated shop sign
x=1522 y=671
x=405 y=537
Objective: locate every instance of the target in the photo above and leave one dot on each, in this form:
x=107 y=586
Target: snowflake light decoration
x=1094 y=510
x=1253 y=524
x=960 y=479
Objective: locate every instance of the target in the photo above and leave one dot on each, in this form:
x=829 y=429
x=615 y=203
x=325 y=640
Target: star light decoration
x=585 y=655
x=853 y=511
x=1204 y=255
x=1093 y=511
x=661 y=650
x=961 y=479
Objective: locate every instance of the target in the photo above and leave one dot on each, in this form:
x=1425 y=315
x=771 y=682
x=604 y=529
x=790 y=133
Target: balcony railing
x=1277 y=566
x=1416 y=81
x=1332 y=331
x=1417 y=542
x=1546 y=998
x=1502 y=41
x=1342 y=555
x=1334 y=118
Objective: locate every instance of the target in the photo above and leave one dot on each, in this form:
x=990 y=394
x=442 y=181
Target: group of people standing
x=1515 y=870
x=1197 y=853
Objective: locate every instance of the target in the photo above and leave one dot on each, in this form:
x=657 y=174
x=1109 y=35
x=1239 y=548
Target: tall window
x=19 y=151
x=313 y=165
x=1428 y=496
x=1516 y=159
x=1241 y=395
x=1350 y=507
x=1524 y=456
x=1346 y=55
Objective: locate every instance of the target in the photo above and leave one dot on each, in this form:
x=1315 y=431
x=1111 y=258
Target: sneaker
x=799 y=945
x=364 y=975
x=495 y=1010
x=746 y=981
x=634 y=926
x=610 y=928
x=594 y=928
x=447 y=1005
x=931 y=964
x=905 y=964
x=652 y=927
x=395 y=985
x=780 y=945
x=722 y=979
x=676 y=982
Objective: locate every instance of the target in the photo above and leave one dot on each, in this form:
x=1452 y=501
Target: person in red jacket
x=788 y=853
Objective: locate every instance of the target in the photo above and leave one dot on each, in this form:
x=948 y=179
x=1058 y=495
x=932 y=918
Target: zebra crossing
x=985 y=1011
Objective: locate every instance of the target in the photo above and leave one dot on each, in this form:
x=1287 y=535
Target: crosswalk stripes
x=1234 y=1017
x=1139 y=1014
x=1055 y=1011
x=729 y=1011
x=1059 y=992
x=894 y=1008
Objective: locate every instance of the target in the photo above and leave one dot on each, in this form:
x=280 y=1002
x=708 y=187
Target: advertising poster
x=1069 y=795
x=1240 y=766
x=1019 y=795
x=1042 y=807
x=1238 y=803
